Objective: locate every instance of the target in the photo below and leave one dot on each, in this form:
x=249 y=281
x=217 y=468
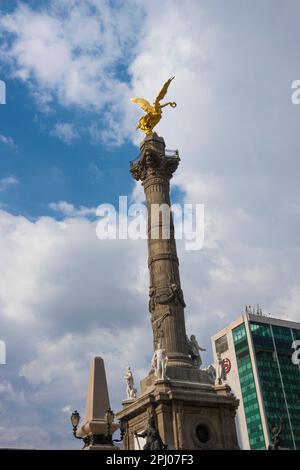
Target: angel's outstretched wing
x=144 y=104
x=163 y=91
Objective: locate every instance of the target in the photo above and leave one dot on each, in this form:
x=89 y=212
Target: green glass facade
x=249 y=396
x=279 y=378
x=278 y=381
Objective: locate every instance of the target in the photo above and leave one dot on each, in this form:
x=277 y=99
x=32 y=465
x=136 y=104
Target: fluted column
x=166 y=303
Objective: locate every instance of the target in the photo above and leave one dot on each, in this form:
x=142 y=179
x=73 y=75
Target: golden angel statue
x=154 y=112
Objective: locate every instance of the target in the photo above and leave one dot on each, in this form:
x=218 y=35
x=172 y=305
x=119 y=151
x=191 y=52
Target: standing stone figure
x=130 y=390
x=159 y=362
x=194 y=350
x=153 y=439
x=221 y=372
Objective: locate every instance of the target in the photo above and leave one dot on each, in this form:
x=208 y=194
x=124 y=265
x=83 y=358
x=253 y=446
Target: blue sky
x=49 y=169
x=67 y=134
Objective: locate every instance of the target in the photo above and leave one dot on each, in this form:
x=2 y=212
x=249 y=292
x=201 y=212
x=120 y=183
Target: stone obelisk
x=94 y=428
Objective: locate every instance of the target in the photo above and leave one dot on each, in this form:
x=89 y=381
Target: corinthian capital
x=154 y=160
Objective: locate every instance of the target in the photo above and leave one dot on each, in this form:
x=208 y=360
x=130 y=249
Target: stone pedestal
x=189 y=415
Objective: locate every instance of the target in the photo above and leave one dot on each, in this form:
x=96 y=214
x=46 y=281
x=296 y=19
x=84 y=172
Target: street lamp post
x=123 y=429
x=75 y=419
x=103 y=438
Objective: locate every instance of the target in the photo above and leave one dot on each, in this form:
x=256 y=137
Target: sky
x=67 y=134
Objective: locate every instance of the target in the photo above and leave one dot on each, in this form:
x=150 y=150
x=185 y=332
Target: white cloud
x=55 y=285
x=8 y=181
x=70 y=50
x=66 y=132
x=290 y=303
x=69 y=210
x=6 y=140
x=67 y=409
x=71 y=53
x=95 y=171
x=75 y=296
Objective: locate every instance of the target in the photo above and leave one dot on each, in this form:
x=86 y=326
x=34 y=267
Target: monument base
x=189 y=415
x=95 y=433
x=95 y=446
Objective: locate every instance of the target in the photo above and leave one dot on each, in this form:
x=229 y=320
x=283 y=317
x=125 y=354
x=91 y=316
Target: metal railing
x=168 y=154
x=171 y=153
x=135 y=161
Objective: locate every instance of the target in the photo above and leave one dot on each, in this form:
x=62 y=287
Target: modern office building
x=262 y=364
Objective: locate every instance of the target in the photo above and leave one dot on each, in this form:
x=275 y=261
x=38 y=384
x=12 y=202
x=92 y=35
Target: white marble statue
x=221 y=372
x=194 y=350
x=212 y=373
x=159 y=362
x=130 y=390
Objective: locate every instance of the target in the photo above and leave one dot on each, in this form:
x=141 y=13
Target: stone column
x=166 y=303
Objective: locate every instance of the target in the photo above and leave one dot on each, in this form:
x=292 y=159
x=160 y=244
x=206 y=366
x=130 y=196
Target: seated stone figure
x=153 y=439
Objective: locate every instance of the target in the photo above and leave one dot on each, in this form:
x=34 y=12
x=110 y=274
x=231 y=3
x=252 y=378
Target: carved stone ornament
x=153 y=164
x=165 y=295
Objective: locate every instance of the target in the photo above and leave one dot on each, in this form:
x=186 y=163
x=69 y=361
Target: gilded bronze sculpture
x=154 y=112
